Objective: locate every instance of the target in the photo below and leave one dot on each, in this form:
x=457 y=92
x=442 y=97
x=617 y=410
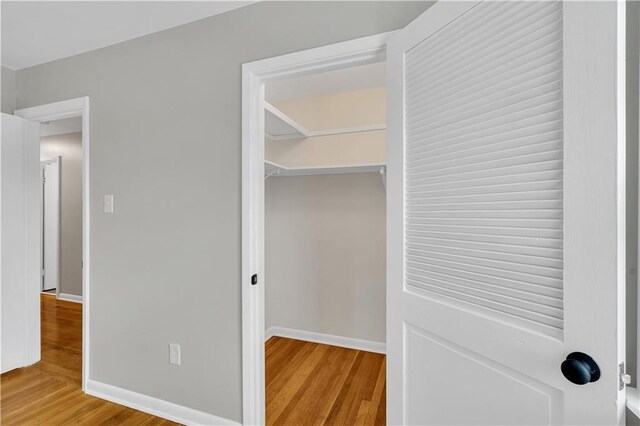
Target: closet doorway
x=471 y=137
x=314 y=236
x=325 y=247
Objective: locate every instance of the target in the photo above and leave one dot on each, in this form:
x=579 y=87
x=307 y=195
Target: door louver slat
x=484 y=162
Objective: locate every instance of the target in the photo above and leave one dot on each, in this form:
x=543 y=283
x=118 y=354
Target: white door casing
x=51 y=224
x=505 y=213
x=350 y=53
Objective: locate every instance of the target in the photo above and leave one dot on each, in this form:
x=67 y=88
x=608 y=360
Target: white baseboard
x=70 y=297
x=327 y=339
x=157 y=407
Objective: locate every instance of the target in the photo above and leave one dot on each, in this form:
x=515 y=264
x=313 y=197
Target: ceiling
x=337 y=81
x=61 y=127
x=35 y=32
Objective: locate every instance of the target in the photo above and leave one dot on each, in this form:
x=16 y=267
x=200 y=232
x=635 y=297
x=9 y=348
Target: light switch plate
x=108 y=203
x=174 y=354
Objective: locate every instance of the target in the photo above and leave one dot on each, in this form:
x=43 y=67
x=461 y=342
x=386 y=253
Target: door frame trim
x=254 y=75
x=78 y=107
x=57 y=160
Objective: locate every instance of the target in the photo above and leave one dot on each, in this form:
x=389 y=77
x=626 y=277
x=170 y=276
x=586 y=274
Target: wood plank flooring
x=313 y=384
x=306 y=383
x=49 y=392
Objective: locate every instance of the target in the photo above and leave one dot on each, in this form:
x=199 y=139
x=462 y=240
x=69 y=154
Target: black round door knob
x=580 y=368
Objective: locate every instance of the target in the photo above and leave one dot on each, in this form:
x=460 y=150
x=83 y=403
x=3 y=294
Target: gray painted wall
x=325 y=241
x=69 y=147
x=166 y=141
x=8 y=90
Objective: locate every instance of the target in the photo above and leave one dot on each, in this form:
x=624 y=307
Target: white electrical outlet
x=108 y=203
x=174 y=354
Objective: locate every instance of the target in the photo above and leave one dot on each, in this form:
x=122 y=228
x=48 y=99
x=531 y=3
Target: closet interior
x=325 y=247
x=325 y=207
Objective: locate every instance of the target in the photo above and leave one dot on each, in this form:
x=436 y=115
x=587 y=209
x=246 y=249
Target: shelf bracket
x=273 y=172
x=383 y=176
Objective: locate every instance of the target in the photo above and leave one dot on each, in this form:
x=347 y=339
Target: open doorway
x=61 y=219
x=56 y=176
x=314 y=225
x=61 y=168
x=325 y=247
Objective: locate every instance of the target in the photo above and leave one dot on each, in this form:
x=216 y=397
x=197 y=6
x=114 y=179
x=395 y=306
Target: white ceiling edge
x=336 y=81
x=37 y=32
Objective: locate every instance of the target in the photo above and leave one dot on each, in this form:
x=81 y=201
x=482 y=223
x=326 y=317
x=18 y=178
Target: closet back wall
x=325 y=239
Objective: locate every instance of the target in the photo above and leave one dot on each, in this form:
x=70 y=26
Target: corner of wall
x=8 y=90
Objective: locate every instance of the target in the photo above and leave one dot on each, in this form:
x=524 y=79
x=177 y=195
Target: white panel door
x=19 y=281
x=51 y=225
x=505 y=214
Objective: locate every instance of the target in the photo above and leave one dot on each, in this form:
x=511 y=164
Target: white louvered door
x=505 y=213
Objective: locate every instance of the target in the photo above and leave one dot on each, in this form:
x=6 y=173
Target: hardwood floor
x=49 y=392
x=306 y=383
x=312 y=384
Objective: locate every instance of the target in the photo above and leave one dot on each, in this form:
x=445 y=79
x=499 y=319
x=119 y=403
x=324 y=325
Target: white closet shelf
x=279 y=126
x=274 y=169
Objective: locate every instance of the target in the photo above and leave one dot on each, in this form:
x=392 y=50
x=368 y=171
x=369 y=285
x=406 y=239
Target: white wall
x=69 y=147
x=325 y=241
x=166 y=142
